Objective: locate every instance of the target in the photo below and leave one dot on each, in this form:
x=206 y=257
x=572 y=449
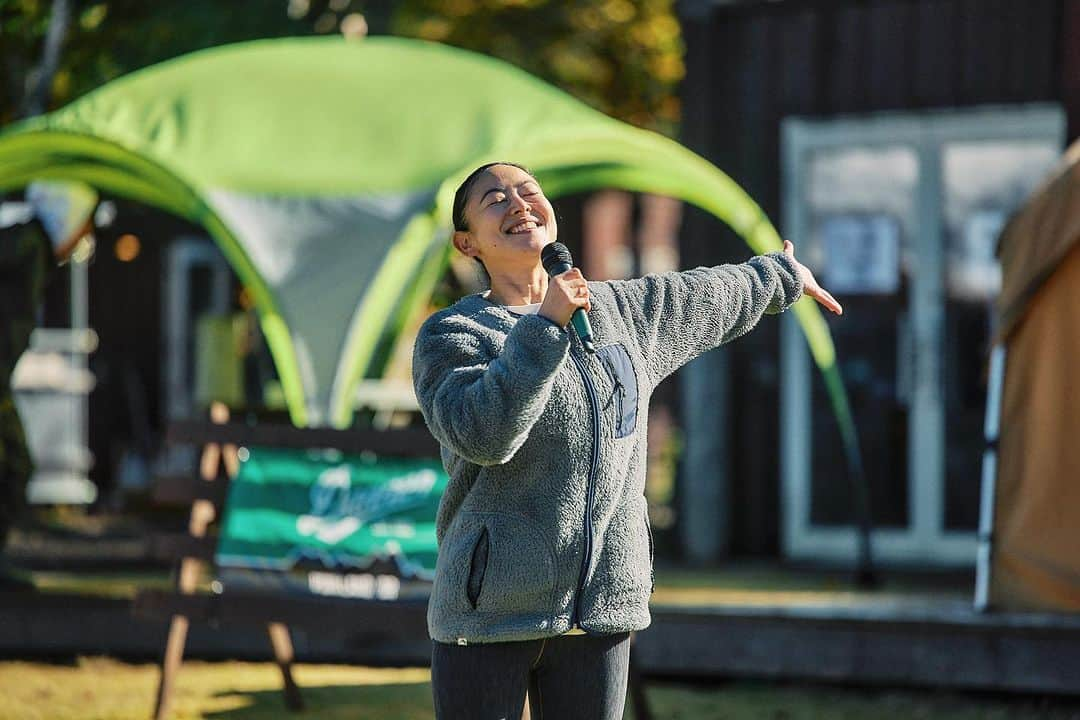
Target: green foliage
x=109 y=38
x=624 y=58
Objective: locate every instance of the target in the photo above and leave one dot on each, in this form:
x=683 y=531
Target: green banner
x=312 y=511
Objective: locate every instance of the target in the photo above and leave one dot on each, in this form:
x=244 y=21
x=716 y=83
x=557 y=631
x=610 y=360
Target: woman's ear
x=463 y=242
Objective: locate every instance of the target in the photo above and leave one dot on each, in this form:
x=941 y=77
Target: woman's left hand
x=810 y=284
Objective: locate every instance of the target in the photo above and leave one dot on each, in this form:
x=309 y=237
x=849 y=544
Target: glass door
x=898 y=216
x=861 y=221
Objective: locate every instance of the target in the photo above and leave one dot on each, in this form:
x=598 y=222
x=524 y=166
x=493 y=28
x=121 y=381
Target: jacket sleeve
x=482 y=408
x=680 y=315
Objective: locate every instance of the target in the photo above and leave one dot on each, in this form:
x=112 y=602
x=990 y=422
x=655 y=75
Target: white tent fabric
x=319 y=256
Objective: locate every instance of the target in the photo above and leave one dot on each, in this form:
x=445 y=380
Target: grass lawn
x=104 y=689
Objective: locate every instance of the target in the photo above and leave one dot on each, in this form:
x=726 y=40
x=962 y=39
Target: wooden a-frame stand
x=218 y=463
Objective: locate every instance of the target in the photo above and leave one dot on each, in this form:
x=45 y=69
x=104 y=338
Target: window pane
x=984 y=183
x=861 y=203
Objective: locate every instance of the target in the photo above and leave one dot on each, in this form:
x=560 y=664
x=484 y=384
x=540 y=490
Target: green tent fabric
x=325 y=169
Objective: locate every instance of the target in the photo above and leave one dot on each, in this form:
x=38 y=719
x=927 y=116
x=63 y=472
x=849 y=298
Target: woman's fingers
x=810 y=285
x=581 y=293
x=832 y=303
x=825 y=298
x=579 y=289
x=566 y=293
x=575 y=288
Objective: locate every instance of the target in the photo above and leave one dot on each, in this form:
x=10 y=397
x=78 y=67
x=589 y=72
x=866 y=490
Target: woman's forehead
x=502 y=176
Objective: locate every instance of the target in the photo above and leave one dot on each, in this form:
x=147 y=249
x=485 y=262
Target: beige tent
x=1036 y=505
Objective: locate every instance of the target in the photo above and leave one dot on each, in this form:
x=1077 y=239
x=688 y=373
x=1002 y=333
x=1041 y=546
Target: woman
x=545 y=552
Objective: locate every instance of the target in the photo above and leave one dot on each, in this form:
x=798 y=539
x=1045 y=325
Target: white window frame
x=925 y=540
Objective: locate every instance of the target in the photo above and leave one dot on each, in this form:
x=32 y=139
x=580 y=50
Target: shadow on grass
x=739 y=700
x=397 y=701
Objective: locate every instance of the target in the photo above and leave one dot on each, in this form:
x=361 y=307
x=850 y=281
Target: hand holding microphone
x=567 y=297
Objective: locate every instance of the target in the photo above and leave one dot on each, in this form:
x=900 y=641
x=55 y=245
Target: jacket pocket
x=493 y=563
x=619 y=367
x=477 y=568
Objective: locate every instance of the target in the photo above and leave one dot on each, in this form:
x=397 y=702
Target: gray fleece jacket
x=543 y=525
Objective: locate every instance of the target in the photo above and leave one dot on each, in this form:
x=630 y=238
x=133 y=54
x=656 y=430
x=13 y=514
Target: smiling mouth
x=523 y=227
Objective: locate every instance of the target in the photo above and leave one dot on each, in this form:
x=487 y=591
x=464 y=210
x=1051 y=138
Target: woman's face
x=509 y=220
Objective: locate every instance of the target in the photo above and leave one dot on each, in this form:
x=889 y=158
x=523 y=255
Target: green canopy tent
x=325 y=169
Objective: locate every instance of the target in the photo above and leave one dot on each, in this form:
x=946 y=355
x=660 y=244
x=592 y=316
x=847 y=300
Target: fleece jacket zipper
x=590 y=487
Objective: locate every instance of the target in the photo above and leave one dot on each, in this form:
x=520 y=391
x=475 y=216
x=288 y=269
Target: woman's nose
x=520 y=203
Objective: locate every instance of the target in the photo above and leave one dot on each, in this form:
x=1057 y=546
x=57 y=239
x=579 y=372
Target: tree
x=623 y=58
x=109 y=38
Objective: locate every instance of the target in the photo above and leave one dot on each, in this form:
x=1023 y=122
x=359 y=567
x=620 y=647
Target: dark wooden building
x=796 y=100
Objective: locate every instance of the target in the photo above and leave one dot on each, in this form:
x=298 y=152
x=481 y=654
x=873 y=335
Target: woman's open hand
x=810 y=284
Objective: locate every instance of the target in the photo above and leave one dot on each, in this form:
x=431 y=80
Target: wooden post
x=187 y=575
x=170 y=663
x=283 y=656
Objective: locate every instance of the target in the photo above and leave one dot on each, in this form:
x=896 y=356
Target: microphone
x=556 y=260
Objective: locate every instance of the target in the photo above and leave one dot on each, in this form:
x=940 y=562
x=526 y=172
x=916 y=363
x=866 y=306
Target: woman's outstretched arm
x=677 y=316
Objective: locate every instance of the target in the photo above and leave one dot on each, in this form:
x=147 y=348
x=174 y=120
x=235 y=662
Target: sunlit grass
x=100 y=584
x=773 y=585
x=105 y=689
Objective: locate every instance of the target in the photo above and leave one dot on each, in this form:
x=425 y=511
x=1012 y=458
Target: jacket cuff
x=545 y=318
x=791 y=283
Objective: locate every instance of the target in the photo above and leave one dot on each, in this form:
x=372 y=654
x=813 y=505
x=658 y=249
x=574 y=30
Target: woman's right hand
x=565 y=294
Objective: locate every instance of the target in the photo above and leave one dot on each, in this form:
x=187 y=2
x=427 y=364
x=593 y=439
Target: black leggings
x=568 y=677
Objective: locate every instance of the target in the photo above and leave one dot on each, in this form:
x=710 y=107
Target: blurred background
x=891 y=140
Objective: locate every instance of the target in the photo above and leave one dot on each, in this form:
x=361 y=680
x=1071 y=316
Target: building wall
x=751 y=64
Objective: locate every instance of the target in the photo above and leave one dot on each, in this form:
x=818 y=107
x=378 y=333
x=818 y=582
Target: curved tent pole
x=114 y=169
x=388 y=296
